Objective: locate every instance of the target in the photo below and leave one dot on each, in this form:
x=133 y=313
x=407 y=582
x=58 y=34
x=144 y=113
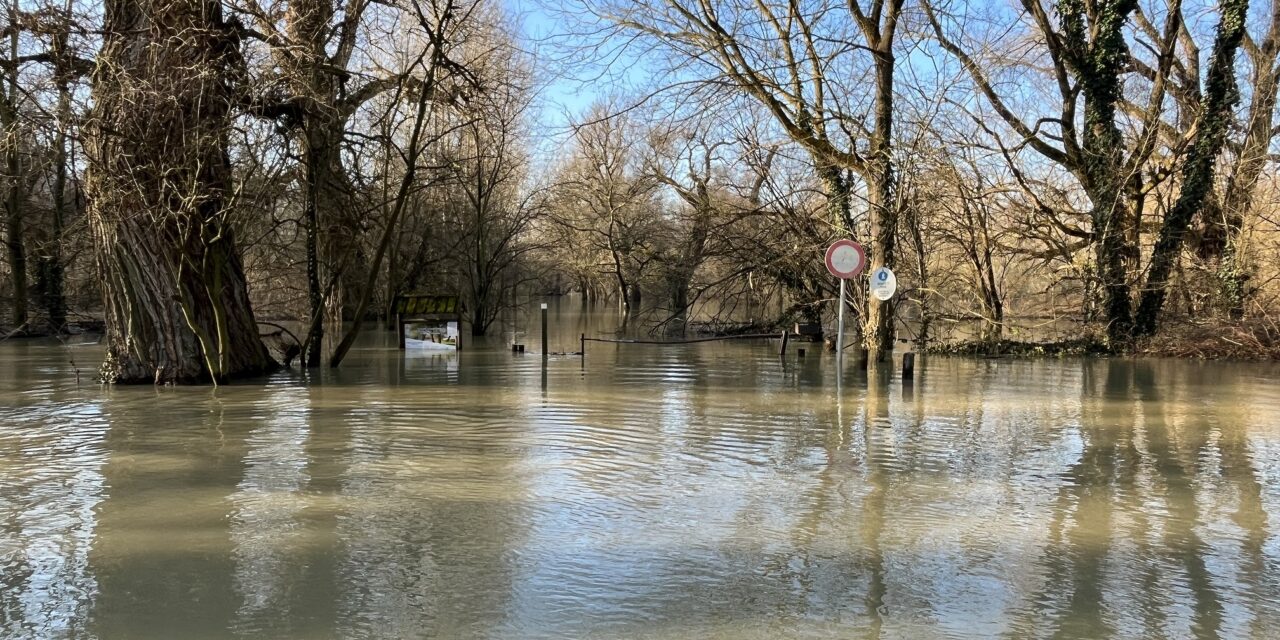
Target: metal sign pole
x=845 y=259
x=840 y=325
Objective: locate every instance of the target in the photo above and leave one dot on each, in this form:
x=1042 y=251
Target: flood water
x=704 y=491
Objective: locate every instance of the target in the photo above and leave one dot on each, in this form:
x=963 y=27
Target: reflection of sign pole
x=845 y=259
x=545 y=351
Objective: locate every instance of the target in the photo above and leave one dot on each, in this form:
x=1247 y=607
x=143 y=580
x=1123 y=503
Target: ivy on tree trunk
x=1218 y=99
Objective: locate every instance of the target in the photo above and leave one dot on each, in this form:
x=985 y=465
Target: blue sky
x=569 y=87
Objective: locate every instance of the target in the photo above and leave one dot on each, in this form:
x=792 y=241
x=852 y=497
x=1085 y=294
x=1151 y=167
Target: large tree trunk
x=332 y=230
x=840 y=217
x=176 y=301
x=330 y=236
x=879 y=329
x=1110 y=258
x=15 y=241
x=1099 y=55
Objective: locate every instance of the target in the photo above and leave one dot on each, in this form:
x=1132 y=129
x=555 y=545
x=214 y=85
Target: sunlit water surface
x=707 y=491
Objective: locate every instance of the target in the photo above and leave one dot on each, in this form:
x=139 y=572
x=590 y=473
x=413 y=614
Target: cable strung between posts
x=756 y=336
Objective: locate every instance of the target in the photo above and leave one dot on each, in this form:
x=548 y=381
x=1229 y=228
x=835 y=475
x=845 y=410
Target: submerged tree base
x=113 y=371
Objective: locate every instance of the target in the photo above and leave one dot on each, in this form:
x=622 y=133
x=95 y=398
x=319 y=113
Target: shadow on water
x=711 y=490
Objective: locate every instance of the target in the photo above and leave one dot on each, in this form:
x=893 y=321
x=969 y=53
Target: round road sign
x=883 y=284
x=846 y=259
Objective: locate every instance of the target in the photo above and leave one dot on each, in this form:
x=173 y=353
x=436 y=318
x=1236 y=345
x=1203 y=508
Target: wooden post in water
x=782 y=350
x=582 y=345
x=908 y=367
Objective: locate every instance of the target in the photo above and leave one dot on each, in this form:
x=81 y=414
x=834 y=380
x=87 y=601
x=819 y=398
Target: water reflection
x=268 y=513
x=646 y=492
x=163 y=552
x=51 y=457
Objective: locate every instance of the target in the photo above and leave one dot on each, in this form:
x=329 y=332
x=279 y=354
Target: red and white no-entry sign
x=846 y=259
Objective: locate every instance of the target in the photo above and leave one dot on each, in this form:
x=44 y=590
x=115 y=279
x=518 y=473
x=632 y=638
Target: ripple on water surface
x=644 y=492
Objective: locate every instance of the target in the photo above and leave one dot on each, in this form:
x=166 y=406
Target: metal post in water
x=545 y=352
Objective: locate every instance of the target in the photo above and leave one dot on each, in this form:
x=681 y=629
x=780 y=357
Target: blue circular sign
x=883 y=284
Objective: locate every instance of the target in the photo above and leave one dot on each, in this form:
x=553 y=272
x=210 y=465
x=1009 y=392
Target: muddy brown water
x=706 y=491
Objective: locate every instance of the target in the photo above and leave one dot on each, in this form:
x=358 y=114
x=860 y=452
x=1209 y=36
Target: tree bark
x=175 y=296
x=1098 y=54
x=314 y=62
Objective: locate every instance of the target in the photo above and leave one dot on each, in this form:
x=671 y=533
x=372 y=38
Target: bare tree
x=607 y=203
x=15 y=173
x=692 y=160
x=316 y=83
x=791 y=58
x=1220 y=241
x=488 y=167
x=438 y=24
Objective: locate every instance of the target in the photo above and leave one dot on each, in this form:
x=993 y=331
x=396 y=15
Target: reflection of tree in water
x=272 y=542
x=1250 y=515
x=163 y=550
x=429 y=493
x=1082 y=520
x=873 y=509
x=831 y=561
x=1175 y=457
x=1127 y=549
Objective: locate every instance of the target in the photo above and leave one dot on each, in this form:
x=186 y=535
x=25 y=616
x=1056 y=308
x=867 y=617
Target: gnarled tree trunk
x=176 y=301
